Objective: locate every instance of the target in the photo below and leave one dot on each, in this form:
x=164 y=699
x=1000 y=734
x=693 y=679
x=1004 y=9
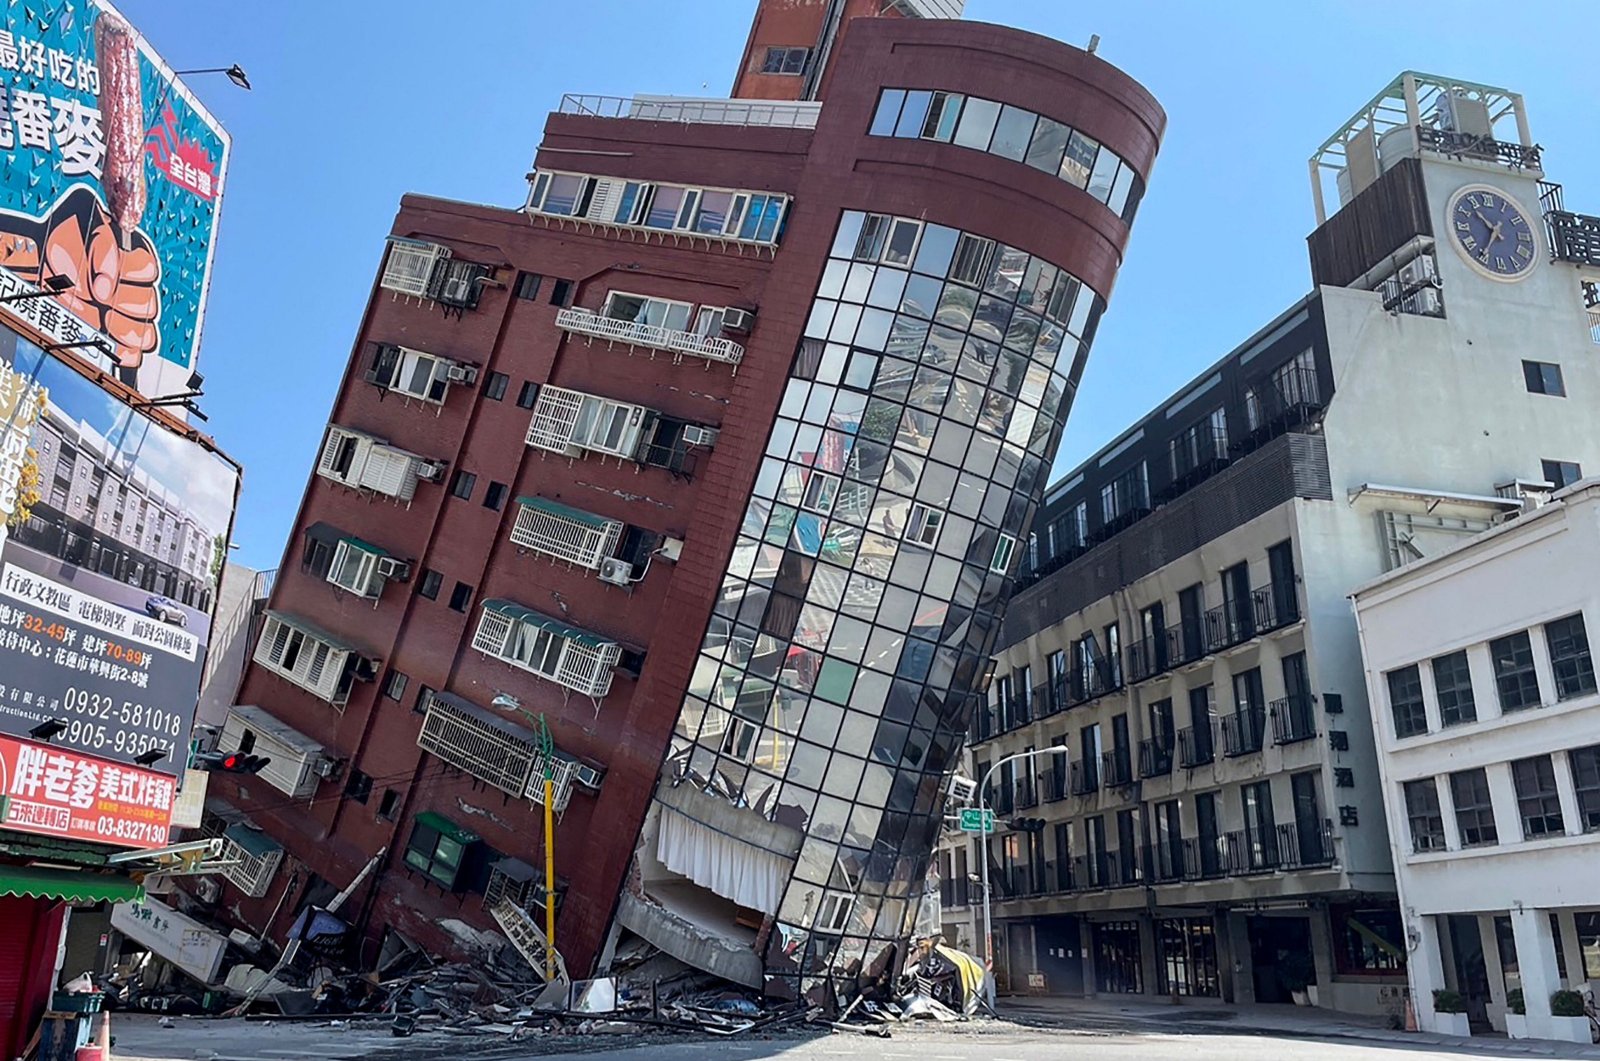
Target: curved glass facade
x=1015 y=133
x=848 y=645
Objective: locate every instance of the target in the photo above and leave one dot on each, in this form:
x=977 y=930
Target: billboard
x=112 y=551
x=111 y=182
x=58 y=792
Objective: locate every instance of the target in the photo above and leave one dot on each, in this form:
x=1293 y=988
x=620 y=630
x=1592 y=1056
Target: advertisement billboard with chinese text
x=51 y=791
x=108 y=571
x=112 y=180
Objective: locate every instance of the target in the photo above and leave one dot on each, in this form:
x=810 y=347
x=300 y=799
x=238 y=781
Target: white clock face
x=1492 y=232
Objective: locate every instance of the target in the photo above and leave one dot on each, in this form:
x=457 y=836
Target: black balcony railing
x=1004 y=801
x=1027 y=795
x=1116 y=768
x=1055 y=783
x=1155 y=756
x=1480 y=148
x=1085 y=777
x=1195 y=747
x=1573 y=237
x=1241 y=853
x=1193 y=457
x=1293 y=719
x=1242 y=731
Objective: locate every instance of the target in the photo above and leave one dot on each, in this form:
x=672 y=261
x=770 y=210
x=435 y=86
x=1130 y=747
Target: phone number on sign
x=139 y=832
x=94 y=737
x=105 y=708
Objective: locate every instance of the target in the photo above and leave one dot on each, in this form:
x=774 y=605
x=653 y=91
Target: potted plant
x=1516 y=1015
x=1450 y=1013
x=1296 y=972
x=1569 y=1023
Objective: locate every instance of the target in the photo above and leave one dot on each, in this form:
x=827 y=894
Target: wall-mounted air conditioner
x=616 y=572
x=394 y=568
x=431 y=471
x=738 y=320
x=699 y=435
x=463 y=374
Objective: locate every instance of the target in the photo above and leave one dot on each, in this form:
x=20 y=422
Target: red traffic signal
x=231 y=763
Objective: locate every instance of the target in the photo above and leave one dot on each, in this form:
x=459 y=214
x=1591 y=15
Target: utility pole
x=547 y=749
x=983 y=844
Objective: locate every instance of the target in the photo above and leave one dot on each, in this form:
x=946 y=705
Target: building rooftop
x=697 y=111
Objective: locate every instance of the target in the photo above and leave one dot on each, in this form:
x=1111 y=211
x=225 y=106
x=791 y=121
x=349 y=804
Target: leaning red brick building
x=712 y=458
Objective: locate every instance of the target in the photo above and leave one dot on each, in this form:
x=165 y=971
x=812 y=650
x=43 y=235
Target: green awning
x=73 y=886
x=367 y=547
x=517 y=613
x=255 y=843
x=566 y=512
x=449 y=828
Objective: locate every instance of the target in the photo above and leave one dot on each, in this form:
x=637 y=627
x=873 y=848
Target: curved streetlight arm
x=983 y=840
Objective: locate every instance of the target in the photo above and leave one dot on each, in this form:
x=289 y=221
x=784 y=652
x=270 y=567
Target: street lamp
x=983 y=840
x=52 y=285
x=235 y=74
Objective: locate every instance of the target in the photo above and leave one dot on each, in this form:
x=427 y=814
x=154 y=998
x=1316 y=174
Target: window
x=1003 y=548
x=1259 y=828
x=428 y=585
x=821 y=491
x=495 y=496
x=410 y=266
x=387 y=804
x=426 y=377
x=546 y=647
x=888 y=112
x=354 y=568
x=291 y=650
x=1537 y=799
x=462 y=484
x=358 y=786
x=394 y=686
x=1469 y=791
x=1422 y=808
x=834 y=912
x=1514 y=675
x=1543 y=378
x=528 y=286
x=976 y=126
x=1585 y=763
x=971 y=261
x=1560 y=473
x=643 y=309
x=460 y=597
x=495 y=388
x=1453 y=684
x=564 y=532
x=785 y=61
x=437 y=849
x=1368 y=941
x=318 y=556
x=901 y=245
x=923 y=526
x=1569 y=656
x=528 y=395
x=567 y=420
x=561 y=293
x=1405 y=701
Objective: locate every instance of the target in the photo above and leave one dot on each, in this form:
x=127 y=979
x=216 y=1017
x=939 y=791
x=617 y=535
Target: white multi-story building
x=1488 y=729
x=1217 y=817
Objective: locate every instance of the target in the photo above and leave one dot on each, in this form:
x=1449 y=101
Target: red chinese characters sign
x=59 y=792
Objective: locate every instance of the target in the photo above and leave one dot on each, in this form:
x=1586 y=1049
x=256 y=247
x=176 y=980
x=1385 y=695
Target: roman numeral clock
x=1492 y=232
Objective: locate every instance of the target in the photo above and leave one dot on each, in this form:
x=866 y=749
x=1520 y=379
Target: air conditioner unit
x=962 y=789
x=392 y=567
x=738 y=320
x=616 y=572
x=464 y=374
x=1427 y=301
x=431 y=471
x=699 y=435
x=457 y=289
x=587 y=776
x=1418 y=271
x=671 y=549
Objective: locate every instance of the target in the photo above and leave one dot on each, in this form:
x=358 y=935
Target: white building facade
x=1219 y=826
x=1488 y=729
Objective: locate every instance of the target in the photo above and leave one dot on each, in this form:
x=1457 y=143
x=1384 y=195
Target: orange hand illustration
x=112 y=280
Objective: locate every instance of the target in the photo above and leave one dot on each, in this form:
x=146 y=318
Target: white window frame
x=355 y=571
x=327 y=462
x=545 y=654
x=614 y=201
x=250 y=874
x=667 y=307
x=437 y=371
x=923 y=525
x=833 y=913
x=740 y=739
x=314 y=665
x=1004 y=548
x=374 y=464
x=898 y=225
x=555 y=412
x=567 y=420
x=821 y=493
x=548 y=533
x=409 y=267
x=708 y=321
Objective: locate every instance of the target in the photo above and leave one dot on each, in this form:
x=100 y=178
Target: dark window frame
x=465 y=601
x=1538 y=797
x=528 y=286
x=1473 y=803
x=528 y=395
x=1424 y=815
x=494 y=496
x=394 y=684
x=429 y=583
x=1516 y=679
x=1407 y=708
x=1544 y=377
x=462 y=483
x=1585 y=765
x=494 y=388
x=1560 y=473
x=1571 y=662
x=1452 y=687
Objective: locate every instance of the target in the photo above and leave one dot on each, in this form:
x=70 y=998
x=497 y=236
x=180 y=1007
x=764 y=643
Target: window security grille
x=315 y=665
x=565 y=538
x=410 y=266
x=541 y=647
x=251 y=874
x=355 y=459
x=566 y=421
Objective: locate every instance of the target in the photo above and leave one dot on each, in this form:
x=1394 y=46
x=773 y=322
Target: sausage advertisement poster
x=115 y=540
x=111 y=176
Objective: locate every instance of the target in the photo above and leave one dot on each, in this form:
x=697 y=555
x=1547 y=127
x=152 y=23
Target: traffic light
x=1026 y=825
x=231 y=762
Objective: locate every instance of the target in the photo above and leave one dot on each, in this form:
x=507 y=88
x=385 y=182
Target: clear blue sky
x=358 y=102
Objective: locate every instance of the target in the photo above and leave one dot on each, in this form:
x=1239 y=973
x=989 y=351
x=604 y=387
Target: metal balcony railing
x=1573 y=237
x=1027 y=796
x=1116 y=768
x=691 y=111
x=1293 y=719
x=1055 y=783
x=1195 y=747
x=1479 y=148
x=1155 y=756
x=1243 y=730
x=710 y=347
x=1085 y=777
